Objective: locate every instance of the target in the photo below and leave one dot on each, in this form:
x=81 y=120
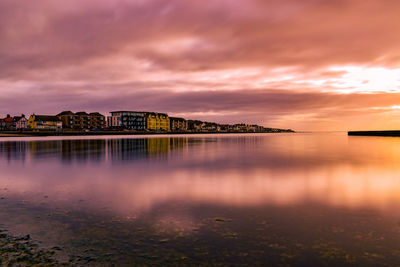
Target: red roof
x=9 y=119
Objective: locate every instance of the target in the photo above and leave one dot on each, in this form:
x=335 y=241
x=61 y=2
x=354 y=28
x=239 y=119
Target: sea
x=273 y=199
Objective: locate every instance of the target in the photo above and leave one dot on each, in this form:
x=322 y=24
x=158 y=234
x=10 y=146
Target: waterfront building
x=20 y=122
x=97 y=120
x=240 y=127
x=178 y=124
x=157 y=121
x=131 y=120
x=44 y=122
x=255 y=128
x=82 y=120
x=195 y=125
x=225 y=127
x=6 y=123
x=109 y=122
x=68 y=120
x=210 y=127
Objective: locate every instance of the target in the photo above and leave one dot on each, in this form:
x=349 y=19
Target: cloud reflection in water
x=134 y=174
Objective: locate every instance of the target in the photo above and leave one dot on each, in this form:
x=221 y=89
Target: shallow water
x=277 y=199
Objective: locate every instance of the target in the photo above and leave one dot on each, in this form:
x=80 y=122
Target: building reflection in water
x=84 y=151
x=13 y=150
x=235 y=170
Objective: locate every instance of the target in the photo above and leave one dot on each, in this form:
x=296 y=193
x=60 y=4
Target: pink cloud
x=120 y=54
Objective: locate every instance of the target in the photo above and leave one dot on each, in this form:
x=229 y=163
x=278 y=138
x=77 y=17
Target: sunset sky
x=300 y=64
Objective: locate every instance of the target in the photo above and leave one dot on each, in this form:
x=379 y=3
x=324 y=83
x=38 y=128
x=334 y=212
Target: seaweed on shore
x=21 y=251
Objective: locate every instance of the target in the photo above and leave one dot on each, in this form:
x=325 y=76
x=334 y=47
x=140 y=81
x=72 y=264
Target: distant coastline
x=27 y=133
x=119 y=123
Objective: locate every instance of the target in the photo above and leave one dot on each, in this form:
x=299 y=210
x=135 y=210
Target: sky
x=317 y=65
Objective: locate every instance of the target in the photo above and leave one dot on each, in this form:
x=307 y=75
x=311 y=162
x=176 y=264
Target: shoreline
x=101 y=133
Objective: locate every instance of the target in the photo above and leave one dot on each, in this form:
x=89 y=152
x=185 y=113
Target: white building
x=20 y=122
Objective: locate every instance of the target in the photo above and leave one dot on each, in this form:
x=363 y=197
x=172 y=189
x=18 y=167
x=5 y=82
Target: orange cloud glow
x=307 y=65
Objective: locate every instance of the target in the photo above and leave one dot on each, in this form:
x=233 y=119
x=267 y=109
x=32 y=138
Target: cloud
x=186 y=35
x=275 y=108
x=202 y=57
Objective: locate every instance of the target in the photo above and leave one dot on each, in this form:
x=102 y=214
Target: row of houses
x=122 y=120
x=63 y=120
x=129 y=120
x=16 y=122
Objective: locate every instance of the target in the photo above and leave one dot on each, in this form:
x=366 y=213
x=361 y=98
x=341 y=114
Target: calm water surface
x=262 y=199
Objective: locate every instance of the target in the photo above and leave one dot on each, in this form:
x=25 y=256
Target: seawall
x=374 y=133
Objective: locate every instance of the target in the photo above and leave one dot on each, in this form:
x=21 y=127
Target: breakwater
x=374 y=133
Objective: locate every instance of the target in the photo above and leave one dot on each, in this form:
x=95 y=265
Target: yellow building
x=44 y=122
x=157 y=121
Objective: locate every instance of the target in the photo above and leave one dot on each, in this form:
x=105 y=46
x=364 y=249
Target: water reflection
x=133 y=174
x=84 y=151
x=284 y=199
